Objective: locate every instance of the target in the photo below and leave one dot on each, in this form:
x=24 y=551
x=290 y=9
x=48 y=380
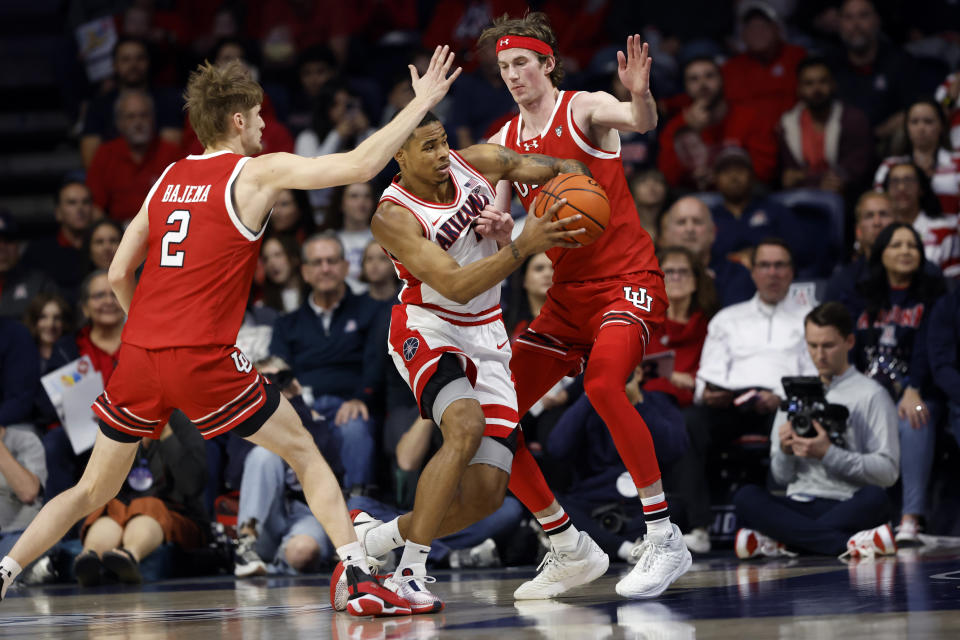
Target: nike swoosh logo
x=500 y=346
x=437 y=220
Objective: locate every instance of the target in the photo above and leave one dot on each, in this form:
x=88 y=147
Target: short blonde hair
x=215 y=93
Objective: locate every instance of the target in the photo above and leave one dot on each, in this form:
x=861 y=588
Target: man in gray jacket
x=835 y=502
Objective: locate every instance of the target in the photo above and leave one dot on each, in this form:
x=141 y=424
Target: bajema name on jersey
x=188 y=193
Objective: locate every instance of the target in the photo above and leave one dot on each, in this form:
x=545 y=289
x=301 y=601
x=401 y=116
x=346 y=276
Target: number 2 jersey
x=200 y=258
x=625 y=246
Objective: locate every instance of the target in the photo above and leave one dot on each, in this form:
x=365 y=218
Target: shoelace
x=552 y=563
x=405 y=579
x=640 y=552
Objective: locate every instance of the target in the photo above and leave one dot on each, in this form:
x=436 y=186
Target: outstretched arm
x=600 y=110
x=398 y=232
x=277 y=171
x=499 y=163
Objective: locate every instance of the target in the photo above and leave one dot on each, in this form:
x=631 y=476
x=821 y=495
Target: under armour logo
x=528 y=145
x=410 y=347
x=638 y=298
x=505 y=42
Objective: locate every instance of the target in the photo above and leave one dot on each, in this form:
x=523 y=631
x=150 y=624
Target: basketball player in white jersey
x=447 y=335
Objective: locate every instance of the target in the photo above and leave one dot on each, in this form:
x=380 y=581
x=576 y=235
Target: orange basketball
x=584 y=196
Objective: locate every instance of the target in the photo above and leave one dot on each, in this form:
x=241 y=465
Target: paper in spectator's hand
x=72 y=389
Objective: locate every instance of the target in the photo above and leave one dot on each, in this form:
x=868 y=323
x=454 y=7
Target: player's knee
x=462 y=425
x=301 y=552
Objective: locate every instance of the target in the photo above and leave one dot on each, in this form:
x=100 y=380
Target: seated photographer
x=749 y=347
x=835 y=470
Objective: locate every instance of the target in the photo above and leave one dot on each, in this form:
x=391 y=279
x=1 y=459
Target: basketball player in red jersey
x=199 y=232
x=606 y=300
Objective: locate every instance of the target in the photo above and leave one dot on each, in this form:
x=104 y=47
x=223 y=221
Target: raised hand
x=634 y=67
x=435 y=83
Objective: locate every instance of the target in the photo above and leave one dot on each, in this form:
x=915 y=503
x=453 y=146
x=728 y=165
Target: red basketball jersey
x=624 y=247
x=200 y=258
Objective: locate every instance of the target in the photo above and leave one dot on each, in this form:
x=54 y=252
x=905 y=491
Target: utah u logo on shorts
x=410 y=346
x=638 y=298
x=240 y=361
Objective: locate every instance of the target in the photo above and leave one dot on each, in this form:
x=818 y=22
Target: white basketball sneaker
x=870 y=543
x=660 y=560
x=410 y=584
x=561 y=571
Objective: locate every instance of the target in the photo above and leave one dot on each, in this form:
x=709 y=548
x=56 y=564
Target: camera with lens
x=807 y=402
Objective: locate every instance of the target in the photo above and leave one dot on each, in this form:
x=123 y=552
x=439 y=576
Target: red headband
x=523 y=42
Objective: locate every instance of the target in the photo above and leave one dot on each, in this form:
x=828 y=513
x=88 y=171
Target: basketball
x=584 y=196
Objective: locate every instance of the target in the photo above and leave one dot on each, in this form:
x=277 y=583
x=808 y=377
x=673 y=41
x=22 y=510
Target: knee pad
x=447 y=385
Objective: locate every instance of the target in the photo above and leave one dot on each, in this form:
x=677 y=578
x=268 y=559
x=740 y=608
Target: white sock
x=413 y=553
x=352 y=556
x=383 y=538
x=560 y=530
x=656 y=524
x=10 y=569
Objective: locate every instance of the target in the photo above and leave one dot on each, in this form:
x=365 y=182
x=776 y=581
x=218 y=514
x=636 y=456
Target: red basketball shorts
x=575 y=312
x=215 y=386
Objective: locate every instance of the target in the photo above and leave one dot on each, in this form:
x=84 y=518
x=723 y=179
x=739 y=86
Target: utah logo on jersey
x=450 y=231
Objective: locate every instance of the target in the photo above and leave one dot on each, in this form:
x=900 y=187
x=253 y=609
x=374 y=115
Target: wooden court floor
x=910 y=596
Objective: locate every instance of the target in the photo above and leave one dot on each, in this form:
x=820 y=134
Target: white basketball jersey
x=452 y=227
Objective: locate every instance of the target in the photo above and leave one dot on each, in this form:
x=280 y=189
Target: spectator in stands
x=61 y=257
x=914 y=203
x=528 y=293
x=581 y=444
x=943 y=346
x=161 y=501
x=131 y=67
x=378 y=274
x=273 y=520
x=763 y=77
x=99 y=339
x=292 y=216
x=481 y=102
x=742 y=219
x=101 y=243
x=688 y=224
x=18 y=284
x=351 y=208
x=649 y=190
x=22 y=474
x=926 y=145
x=690 y=139
x=316 y=67
x=872 y=213
x=948 y=96
x=339 y=124
x=825 y=143
x=19 y=372
x=890 y=319
x=48 y=317
x=872 y=74
x=835 y=502
x=283 y=287
x=750 y=346
x=123 y=170
x=327 y=344
x=693 y=302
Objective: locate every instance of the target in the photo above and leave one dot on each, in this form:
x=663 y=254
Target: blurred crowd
x=804 y=155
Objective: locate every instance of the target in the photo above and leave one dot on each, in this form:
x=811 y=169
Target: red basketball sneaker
x=362 y=595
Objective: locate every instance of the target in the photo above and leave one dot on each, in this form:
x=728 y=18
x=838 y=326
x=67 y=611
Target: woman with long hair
x=283 y=288
x=48 y=318
x=292 y=216
x=378 y=274
x=349 y=216
x=528 y=293
x=926 y=143
x=890 y=318
x=914 y=203
x=693 y=301
x=101 y=243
